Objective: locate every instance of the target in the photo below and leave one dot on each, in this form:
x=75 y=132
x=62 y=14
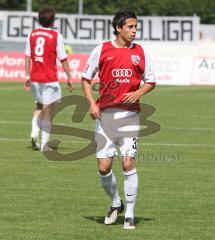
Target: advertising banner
x=168 y=70
x=204 y=71
x=12 y=66
x=93 y=29
x=173 y=70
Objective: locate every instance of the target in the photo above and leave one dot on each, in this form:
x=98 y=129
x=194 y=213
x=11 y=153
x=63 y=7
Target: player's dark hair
x=120 y=18
x=47 y=17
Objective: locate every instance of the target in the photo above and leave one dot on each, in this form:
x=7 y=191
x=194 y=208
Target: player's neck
x=119 y=43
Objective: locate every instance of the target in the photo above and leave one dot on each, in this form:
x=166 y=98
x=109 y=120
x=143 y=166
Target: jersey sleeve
x=28 y=47
x=148 y=76
x=61 y=52
x=92 y=65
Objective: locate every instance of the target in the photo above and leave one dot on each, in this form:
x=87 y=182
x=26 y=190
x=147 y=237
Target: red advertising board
x=12 y=66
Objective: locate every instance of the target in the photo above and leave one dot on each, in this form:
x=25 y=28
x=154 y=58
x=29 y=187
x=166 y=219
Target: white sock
x=35 y=129
x=46 y=130
x=109 y=184
x=130 y=190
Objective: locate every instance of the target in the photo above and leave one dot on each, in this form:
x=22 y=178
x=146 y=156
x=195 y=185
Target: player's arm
x=27 y=73
x=147 y=87
x=66 y=68
x=89 y=73
x=27 y=64
x=132 y=97
x=87 y=89
x=27 y=67
x=62 y=56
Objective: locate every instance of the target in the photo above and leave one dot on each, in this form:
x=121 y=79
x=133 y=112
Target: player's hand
x=94 y=111
x=131 y=97
x=70 y=86
x=27 y=85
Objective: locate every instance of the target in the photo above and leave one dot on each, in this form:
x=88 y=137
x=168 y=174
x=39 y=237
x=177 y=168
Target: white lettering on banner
x=11 y=74
x=207 y=64
x=204 y=71
x=167 y=65
x=9 y=61
x=173 y=71
x=93 y=29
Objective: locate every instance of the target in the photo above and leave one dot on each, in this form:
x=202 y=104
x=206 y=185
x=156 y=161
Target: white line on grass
x=188 y=129
x=67 y=124
x=141 y=143
x=186 y=115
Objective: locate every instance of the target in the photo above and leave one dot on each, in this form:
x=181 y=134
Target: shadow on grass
x=120 y=219
x=29 y=147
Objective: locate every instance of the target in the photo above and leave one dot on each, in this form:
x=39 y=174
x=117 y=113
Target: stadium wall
x=179 y=58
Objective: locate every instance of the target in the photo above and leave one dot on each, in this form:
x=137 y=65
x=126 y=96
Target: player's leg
x=51 y=93
x=105 y=150
x=108 y=179
x=108 y=182
x=36 y=120
x=130 y=189
x=35 y=126
x=128 y=148
x=46 y=125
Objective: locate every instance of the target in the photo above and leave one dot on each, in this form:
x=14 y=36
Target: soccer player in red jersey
x=44 y=46
x=122 y=67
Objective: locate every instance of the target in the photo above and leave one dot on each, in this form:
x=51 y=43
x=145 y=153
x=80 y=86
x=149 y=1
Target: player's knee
x=104 y=170
x=128 y=165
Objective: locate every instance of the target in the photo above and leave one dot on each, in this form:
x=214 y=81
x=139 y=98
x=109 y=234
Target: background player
x=122 y=67
x=44 y=46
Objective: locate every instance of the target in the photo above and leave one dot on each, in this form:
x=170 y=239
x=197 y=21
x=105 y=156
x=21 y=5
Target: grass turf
x=43 y=199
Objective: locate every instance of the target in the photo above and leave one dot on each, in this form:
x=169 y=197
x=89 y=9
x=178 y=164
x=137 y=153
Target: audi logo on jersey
x=126 y=72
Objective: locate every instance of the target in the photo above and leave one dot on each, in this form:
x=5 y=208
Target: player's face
x=128 y=31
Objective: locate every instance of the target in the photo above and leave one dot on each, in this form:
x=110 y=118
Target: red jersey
x=44 y=46
x=120 y=70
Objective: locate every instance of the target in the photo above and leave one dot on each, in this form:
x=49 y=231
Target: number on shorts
x=39 y=49
x=135 y=143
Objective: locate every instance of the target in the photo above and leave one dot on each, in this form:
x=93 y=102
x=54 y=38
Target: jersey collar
x=113 y=43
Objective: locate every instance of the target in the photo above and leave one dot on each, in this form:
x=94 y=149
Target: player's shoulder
x=97 y=49
x=102 y=44
x=53 y=32
x=139 y=46
x=45 y=31
x=107 y=43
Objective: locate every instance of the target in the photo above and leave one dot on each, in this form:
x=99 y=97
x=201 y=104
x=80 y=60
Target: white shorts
x=46 y=93
x=116 y=127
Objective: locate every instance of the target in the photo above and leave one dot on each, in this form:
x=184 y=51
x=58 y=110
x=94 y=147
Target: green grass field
x=43 y=199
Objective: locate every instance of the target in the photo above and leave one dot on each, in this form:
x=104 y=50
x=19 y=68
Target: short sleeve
x=148 y=76
x=61 y=52
x=92 y=64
